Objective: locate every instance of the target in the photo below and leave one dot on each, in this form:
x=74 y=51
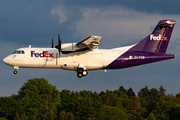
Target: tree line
x=39 y=100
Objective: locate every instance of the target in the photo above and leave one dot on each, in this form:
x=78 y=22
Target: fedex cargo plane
x=85 y=56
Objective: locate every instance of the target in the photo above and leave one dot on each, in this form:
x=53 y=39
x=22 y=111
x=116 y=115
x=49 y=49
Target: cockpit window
x=14 y=52
x=18 y=52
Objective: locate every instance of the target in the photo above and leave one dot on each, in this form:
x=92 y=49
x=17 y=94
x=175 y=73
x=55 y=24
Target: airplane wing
x=87 y=44
x=91 y=43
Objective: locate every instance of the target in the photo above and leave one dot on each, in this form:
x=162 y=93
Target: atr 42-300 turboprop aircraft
x=85 y=55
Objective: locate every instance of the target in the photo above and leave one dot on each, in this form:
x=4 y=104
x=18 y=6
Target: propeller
x=59 y=45
x=52 y=43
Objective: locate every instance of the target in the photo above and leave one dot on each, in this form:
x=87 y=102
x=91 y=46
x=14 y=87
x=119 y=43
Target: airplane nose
x=5 y=60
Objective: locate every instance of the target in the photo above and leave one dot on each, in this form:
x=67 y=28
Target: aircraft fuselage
x=49 y=58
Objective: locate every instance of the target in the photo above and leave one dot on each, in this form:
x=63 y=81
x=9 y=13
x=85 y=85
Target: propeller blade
x=52 y=43
x=59 y=45
x=59 y=42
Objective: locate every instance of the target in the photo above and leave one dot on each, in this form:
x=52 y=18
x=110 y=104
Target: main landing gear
x=81 y=72
x=15 y=69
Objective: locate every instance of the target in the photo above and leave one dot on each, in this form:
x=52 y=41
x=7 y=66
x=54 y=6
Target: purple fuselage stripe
x=134 y=58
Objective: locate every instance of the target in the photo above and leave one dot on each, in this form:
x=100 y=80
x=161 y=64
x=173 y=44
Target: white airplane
x=85 y=55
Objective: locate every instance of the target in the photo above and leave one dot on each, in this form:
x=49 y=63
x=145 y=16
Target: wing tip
x=95 y=36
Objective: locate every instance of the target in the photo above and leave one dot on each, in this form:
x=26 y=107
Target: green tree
x=2 y=118
x=136 y=109
x=17 y=116
x=162 y=91
x=37 y=99
x=85 y=108
x=40 y=89
x=178 y=96
x=144 y=92
x=47 y=111
x=101 y=93
x=0 y=113
x=175 y=113
x=153 y=94
x=67 y=98
x=130 y=93
x=151 y=117
x=164 y=108
x=70 y=116
x=8 y=106
x=111 y=113
x=121 y=89
x=34 y=93
x=110 y=99
x=62 y=116
x=118 y=93
x=23 y=117
x=66 y=116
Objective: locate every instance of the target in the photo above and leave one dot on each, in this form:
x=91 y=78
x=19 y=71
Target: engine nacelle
x=69 y=47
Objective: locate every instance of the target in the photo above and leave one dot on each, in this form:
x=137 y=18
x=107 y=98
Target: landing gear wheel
x=15 y=72
x=80 y=75
x=84 y=73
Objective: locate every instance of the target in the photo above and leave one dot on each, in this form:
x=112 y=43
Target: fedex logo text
x=43 y=54
x=160 y=37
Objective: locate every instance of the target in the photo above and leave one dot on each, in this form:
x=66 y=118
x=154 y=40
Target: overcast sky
x=119 y=22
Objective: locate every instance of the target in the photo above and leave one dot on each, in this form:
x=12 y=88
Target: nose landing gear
x=15 y=69
x=81 y=72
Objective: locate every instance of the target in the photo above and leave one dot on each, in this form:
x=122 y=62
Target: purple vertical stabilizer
x=150 y=49
x=158 y=40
